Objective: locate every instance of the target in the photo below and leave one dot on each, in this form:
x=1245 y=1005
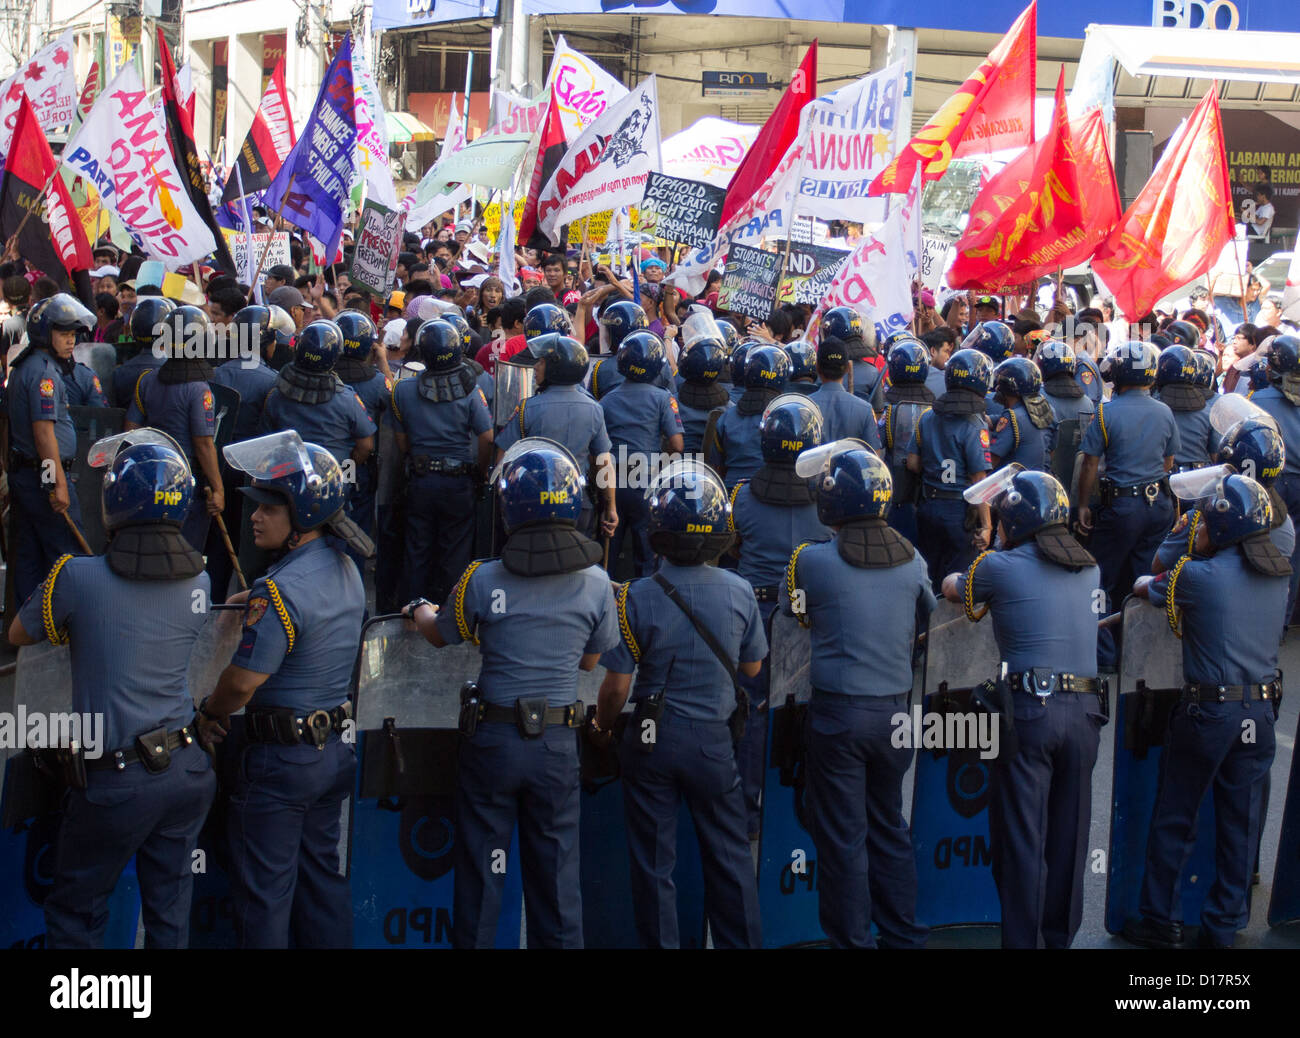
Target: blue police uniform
x=529 y=648
x=638 y=416
x=1040 y=800
x=737 y=447
x=440 y=485
x=1181 y=538
x=693 y=755
x=252 y=382
x=131 y=642
x=1197 y=439
x=845 y=415
x=1134 y=433
x=604 y=376
x=895 y=429
x=83 y=386
x=374 y=389
x=1232 y=623
x=36 y=392
x=336 y=424
x=861 y=677
x=695 y=420
x=1069 y=408
x=869 y=383
x=1088 y=375
x=127 y=374
x=951 y=447
x=1287 y=416
x=1017 y=439
x=302 y=627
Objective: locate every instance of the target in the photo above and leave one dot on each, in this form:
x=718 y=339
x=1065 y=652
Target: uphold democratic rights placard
x=749 y=281
x=374 y=261
x=682 y=211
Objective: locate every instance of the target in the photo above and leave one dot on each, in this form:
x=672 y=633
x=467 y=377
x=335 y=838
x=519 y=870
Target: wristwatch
x=203 y=709
x=595 y=727
x=414 y=604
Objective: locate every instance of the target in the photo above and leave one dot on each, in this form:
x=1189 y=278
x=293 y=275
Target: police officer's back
x=1025 y=432
x=1057 y=362
x=251 y=377
x=617 y=321
x=735 y=451
x=148 y=319
x=845 y=415
x=1176 y=386
x=700 y=392
x=857 y=340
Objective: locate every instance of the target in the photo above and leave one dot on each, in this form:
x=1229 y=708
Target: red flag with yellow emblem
x=1180 y=222
x=992 y=110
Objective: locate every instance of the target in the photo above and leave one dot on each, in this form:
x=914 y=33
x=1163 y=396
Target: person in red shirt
x=513 y=311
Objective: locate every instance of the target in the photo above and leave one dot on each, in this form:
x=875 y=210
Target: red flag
x=993 y=109
x=549 y=153
x=1028 y=217
x=1179 y=223
x=774 y=138
x=89 y=90
x=29 y=168
x=269 y=141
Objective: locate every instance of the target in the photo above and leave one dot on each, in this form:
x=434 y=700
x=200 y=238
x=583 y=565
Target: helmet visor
x=102 y=452
x=786 y=398
x=990 y=488
x=700 y=325
x=674 y=474
x=271 y=457
x=529 y=443
x=817 y=459
x=1231 y=408
x=1196 y=484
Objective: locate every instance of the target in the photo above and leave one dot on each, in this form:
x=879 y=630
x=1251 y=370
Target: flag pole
x=266 y=249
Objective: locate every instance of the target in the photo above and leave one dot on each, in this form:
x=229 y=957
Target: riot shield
x=100 y=357
x=950 y=794
x=92 y=424
x=1284 y=903
x=1068 y=438
x=787 y=865
x=31 y=817
x=514 y=383
x=225 y=401
x=1150 y=683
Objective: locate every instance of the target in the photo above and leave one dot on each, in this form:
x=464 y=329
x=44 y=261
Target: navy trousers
x=439 y=534
x=40 y=536
x=942 y=538
x=1288 y=489
x=633 y=522
x=1125 y=536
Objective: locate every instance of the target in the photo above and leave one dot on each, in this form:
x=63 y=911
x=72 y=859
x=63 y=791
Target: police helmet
x=991 y=338
x=1130 y=364
x=898 y=338
x=803 y=360
x=790 y=425
x=566 y=358
x=61 y=312
x=538 y=481
x=457 y=320
x=851 y=482
x=1254 y=448
x=1284 y=355
x=736 y=360
x=545 y=318
x=702 y=362
x=843 y=323
x=1055 y=357
x=729 y=334
x=147 y=319
x=766 y=367
x=1184 y=333
x=619 y=320
x=909 y=363
x=439 y=346
x=359 y=333
x=147 y=483
x=282 y=325
x=970 y=370
x=641 y=356
x=258 y=320
x=319 y=347
x=1018 y=376
x=189 y=326
x=1205 y=365
x=1032 y=502
x=1238 y=508
x=688 y=510
x=1176 y=365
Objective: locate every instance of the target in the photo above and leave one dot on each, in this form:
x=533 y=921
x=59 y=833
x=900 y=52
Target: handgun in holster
x=469 y=709
x=648 y=708
x=1146 y=720
x=63 y=765
x=994 y=697
x=789 y=750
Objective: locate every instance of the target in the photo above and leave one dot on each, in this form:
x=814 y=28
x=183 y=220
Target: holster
x=469 y=703
x=1146 y=718
x=1277 y=699
x=152 y=748
x=994 y=697
x=37 y=781
x=907 y=487
x=530 y=716
x=651 y=708
x=420 y=464
x=789 y=750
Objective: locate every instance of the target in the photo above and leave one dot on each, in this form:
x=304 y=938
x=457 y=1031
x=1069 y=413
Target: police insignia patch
x=672 y=402
x=255 y=611
x=94 y=381
x=1002 y=424
x=47 y=387
x=360 y=403
x=984 y=436
x=1086 y=376
x=388 y=383
x=207 y=400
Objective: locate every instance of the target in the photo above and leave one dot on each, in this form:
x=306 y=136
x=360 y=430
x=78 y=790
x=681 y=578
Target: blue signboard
x=411 y=14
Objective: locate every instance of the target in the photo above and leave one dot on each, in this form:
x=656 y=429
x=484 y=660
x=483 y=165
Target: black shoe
x=1147 y=933
x=1204 y=939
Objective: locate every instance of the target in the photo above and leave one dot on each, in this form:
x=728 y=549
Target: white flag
x=583 y=89
x=1291 y=296
x=51 y=86
x=607 y=166
x=423 y=204
x=372 y=134
x=121 y=149
x=875 y=280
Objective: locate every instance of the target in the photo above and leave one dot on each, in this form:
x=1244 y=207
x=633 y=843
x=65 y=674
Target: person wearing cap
x=277 y=277
x=654 y=270
x=1049 y=708
x=291 y=300
x=987 y=308
x=845 y=415
x=463 y=228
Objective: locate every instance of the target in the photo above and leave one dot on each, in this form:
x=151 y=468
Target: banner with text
x=374 y=261
x=749 y=281
x=682 y=211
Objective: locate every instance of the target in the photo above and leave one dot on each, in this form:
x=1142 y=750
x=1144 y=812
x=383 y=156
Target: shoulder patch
x=47 y=387
x=360 y=403
x=482 y=395
x=255 y=610
x=984 y=436
x=388 y=384
x=1002 y=424
x=1085 y=376
x=207 y=400
x=94 y=381
x=672 y=402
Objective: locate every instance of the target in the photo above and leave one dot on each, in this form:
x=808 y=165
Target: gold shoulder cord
x=1015 y=427
x=791 y=585
x=55 y=636
x=969 y=590
x=392 y=394
x=458 y=604
x=595 y=379
x=277 y=603
x=1192 y=524
x=1172 y=613
x=138 y=402
x=731 y=516
x=625 y=628
x=1101 y=417
x=522 y=434
x=889 y=426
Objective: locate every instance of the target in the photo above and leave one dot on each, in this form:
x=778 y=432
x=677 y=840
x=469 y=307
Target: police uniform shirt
x=863 y=623
x=252 y=383
x=739 y=444
x=1088 y=375
x=895 y=429
x=1016 y=438
x=1180 y=540
x=769 y=533
x=488 y=385
x=127 y=374
x=961 y=439
x=936 y=382
x=564 y=414
x=531 y=631
x=668 y=654
x=1042 y=613
x=36 y=393
x=83 y=387
x=302 y=626
x=375 y=393
x=1135 y=433
x=869 y=383
x=694 y=424
x=437 y=429
x=603 y=376
x=336 y=424
x=130 y=640
x=1287 y=416
x=1232 y=618
x=637 y=415
x=1071 y=408
x=182 y=410
x=845 y=415
x=1197 y=439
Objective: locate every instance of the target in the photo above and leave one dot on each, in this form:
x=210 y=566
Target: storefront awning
x=403 y=127
x=1256 y=57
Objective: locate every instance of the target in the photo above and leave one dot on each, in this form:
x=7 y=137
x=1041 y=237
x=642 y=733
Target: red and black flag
x=549 y=153
x=180 y=132
x=269 y=141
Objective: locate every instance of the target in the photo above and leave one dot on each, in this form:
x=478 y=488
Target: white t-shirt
x=1262 y=212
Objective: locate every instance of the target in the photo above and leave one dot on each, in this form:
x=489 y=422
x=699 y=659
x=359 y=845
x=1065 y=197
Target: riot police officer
x=374 y=387
x=844 y=326
x=436 y=415
x=519 y=760
x=688 y=696
x=1233 y=685
x=949 y=450
x=771 y=513
x=1025 y=432
x=730 y=340
x=251 y=378
x=42 y=442
x=861 y=677
x=177 y=399
x=735 y=452
x=735 y=370
x=1041 y=586
x=129 y=615
x=1056 y=362
x=844 y=415
x=803 y=367
x=1177 y=386
x=701 y=391
x=148 y=319
x=567 y=415
x=906 y=399
x=617 y=321
x=483 y=377
x=639 y=416
x=1138 y=437
x=997 y=342
x=292 y=672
